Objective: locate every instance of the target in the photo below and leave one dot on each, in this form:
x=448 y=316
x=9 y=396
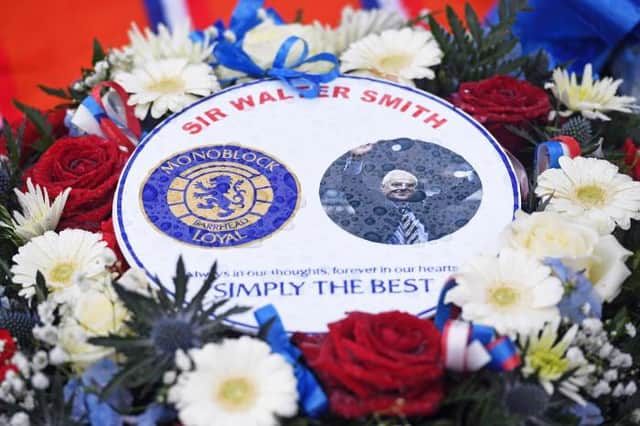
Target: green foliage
x=98 y=52
x=477 y=54
x=146 y=357
x=43 y=127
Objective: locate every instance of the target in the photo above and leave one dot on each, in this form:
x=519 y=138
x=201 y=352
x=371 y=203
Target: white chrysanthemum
x=167 y=85
x=512 y=293
x=38 y=213
x=591 y=189
x=236 y=382
x=357 y=24
x=400 y=55
x=550 y=361
x=165 y=44
x=591 y=98
x=62 y=259
x=581 y=246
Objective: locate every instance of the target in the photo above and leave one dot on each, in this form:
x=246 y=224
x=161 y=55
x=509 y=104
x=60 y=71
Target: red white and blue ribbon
x=548 y=153
x=108 y=116
x=470 y=347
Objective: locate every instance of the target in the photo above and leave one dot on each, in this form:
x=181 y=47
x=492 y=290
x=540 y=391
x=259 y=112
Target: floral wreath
x=543 y=332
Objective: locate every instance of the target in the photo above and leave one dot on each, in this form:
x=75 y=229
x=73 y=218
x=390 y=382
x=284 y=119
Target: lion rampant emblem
x=221 y=193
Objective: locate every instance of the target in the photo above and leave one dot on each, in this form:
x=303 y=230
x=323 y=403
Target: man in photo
x=400 y=187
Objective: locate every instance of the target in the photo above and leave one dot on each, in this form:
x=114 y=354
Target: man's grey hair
x=398 y=174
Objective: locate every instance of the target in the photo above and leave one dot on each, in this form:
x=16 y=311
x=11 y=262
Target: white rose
x=263 y=42
x=578 y=245
x=95 y=313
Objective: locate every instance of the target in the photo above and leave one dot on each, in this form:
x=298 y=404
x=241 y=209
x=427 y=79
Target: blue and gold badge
x=220 y=195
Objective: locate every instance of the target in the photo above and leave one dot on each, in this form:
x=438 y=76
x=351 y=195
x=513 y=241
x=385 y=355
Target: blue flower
x=86 y=404
x=589 y=414
x=579 y=293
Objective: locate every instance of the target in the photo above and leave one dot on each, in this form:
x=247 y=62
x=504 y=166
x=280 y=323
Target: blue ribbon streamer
x=306 y=84
x=312 y=398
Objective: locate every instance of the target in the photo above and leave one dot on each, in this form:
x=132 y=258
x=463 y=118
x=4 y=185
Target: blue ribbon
x=312 y=398
x=306 y=84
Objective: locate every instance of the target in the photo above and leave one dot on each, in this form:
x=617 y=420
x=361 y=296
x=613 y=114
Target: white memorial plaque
x=365 y=198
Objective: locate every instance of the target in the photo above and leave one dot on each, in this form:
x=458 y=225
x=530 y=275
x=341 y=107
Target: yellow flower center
x=504 y=296
x=236 y=394
x=549 y=365
x=394 y=63
x=166 y=85
x=62 y=273
x=591 y=195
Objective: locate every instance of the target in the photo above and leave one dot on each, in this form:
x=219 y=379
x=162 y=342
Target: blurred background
x=47 y=42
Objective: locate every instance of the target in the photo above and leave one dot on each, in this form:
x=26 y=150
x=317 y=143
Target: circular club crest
x=219 y=196
x=365 y=198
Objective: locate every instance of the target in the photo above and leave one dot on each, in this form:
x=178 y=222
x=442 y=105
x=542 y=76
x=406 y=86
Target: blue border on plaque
x=118 y=200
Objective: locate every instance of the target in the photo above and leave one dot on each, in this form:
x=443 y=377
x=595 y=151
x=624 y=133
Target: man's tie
x=410 y=230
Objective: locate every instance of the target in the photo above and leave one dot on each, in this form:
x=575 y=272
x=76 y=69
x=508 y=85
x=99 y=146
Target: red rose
x=109 y=237
x=90 y=166
x=500 y=101
x=31 y=135
x=632 y=158
x=7 y=345
x=387 y=363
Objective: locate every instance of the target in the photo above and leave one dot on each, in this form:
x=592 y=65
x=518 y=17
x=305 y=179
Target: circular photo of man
x=400 y=191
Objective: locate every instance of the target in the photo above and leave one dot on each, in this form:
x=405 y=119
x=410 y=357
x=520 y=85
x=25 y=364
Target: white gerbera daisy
x=62 y=259
x=591 y=189
x=591 y=98
x=357 y=24
x=167 y=85
x=400 y=55
x=38 y=213
x=236 y=382
x=512 y=293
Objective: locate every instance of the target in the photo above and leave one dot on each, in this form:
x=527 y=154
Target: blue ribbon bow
x=232 y=56
x=312 y=398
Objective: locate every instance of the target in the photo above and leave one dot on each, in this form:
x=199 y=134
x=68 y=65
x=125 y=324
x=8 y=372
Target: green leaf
x=13 y=144
x=473 y=23
x=57 y=92
x=122 y=343
x=125 y=375
x=197 y=300
x=142 y=306
x=41 y=287
x=180 y=282
x=459 y=33
x=44 y=128
x=98 y=52
x=439 y=34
